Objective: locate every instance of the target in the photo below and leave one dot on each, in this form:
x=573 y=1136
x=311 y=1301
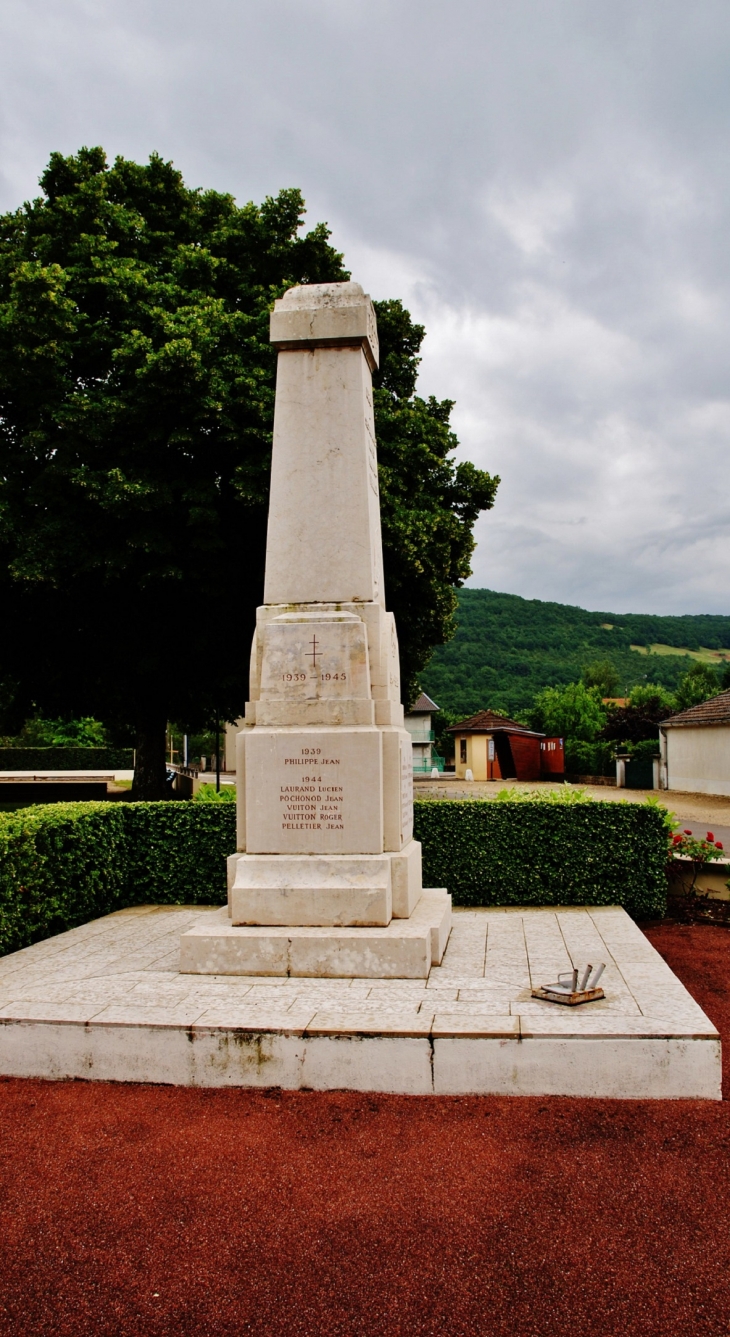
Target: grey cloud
x=545 y=184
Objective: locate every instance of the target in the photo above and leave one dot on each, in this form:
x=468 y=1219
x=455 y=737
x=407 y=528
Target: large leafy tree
x=639 y=720
x=698 y=684
x=136 y=406
x=573 y=711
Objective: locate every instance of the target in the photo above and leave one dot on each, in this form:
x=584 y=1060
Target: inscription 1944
x=313 y=800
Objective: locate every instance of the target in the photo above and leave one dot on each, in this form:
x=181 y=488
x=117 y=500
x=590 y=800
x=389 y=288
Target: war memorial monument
x=331 y=966
x=330 y=880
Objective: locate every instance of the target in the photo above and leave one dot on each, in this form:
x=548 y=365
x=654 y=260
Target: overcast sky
x=545 y=183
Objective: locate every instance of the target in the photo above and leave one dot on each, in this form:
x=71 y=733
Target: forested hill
x=506 y=649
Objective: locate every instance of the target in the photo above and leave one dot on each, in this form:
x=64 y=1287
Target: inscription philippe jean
x=311 y=803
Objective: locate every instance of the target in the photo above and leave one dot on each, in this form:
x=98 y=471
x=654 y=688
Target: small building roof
x=489 y=722
x=714 y=711
x=424 y=706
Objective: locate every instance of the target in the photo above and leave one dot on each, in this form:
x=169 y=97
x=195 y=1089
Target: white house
x=418 y=724
x=695 y=748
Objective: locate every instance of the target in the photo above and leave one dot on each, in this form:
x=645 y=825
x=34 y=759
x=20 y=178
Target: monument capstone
x=326 y=879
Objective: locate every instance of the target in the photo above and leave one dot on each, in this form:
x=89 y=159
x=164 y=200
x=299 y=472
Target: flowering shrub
x=688 y=855
x=691 y=847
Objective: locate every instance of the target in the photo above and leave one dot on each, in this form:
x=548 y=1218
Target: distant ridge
x=507 y=649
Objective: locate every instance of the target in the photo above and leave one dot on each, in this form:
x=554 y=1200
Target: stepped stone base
x=105 y=1002
x=405 y=949
x=329 y=890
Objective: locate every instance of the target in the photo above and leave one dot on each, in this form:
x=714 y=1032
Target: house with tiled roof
x=493 y=747
x=418 y=724
x=695 y=748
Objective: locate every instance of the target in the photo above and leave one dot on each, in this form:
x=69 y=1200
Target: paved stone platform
x=106 y=1001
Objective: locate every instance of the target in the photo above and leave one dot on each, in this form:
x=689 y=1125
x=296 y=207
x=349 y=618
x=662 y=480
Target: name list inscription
x=313 y=799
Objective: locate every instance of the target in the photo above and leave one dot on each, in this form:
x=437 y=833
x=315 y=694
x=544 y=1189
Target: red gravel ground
x=151 y=1210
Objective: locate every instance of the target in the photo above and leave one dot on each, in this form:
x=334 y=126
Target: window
x=462 y=749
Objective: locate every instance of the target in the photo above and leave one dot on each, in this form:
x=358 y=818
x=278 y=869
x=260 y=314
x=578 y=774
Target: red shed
x=495 y=748
x=552 y=756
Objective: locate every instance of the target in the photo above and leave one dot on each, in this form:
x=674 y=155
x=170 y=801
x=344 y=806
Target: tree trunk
x=150 y=765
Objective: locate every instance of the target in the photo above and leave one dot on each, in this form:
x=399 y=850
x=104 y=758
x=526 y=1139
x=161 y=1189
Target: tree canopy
x=603 y=675
x=573 y=711
x=638 y=721
x=698 y=684
x=136 y=407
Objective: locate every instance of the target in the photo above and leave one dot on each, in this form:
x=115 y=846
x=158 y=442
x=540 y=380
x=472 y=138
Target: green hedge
x=63 y=864
x=541 y=853
x=66 y=758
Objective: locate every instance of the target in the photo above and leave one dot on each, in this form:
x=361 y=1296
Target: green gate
x=640 y=773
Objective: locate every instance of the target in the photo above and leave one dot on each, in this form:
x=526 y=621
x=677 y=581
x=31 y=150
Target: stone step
x=405 y=949
x=328 y=891
x=334 y=891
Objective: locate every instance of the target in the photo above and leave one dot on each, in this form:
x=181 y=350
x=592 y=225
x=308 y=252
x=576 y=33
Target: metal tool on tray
x=568 y=991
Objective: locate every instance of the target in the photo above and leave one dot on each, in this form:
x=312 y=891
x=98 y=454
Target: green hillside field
x=507 y=649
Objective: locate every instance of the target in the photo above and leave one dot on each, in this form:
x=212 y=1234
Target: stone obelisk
x=326 y=880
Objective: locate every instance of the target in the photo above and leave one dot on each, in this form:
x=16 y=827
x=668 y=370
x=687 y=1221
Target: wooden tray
x=569 y=999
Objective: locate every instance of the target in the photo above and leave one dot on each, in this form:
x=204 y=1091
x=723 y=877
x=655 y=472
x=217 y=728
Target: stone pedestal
x=326 y=879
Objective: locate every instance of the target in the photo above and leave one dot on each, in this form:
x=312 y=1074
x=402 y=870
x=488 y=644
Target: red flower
x=710 y=836
x=687 y=831
x=718 y=845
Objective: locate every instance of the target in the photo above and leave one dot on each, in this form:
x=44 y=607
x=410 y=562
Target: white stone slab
x=337 y=891
x=314 y=791
x=94 y=1003
x=609 y=1068
x=309 y=657
x=383 y=656
x=406 y=879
